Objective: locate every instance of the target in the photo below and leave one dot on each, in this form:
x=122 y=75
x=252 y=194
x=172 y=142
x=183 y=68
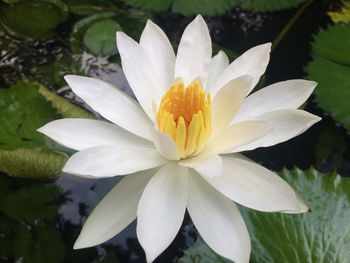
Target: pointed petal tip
x=81 y=243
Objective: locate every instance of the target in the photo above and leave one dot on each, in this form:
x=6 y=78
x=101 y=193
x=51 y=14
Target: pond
x=42 y=210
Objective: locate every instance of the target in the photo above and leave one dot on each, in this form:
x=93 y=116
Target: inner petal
x=185 y=115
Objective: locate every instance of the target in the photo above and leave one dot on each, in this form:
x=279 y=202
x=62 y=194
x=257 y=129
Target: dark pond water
x=237 y=30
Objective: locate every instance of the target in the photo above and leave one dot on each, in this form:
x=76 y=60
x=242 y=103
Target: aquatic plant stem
x=290 y=23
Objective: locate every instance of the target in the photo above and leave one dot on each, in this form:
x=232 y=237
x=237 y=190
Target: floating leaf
x=205 y=7
x=201 y=253
x=210 y=8
x=269 y=5
x=330 y=143
x=331 y=69
x=32 y=202
x=91 y=7
x=100 y=37
x=150 y=5
x=31 y=163
x=22 y=111
x=322 y=235
x=63 y=106
x=24 y=108
x=130 y=22
x=25 y=19
x=343 y=15
x=40 y=244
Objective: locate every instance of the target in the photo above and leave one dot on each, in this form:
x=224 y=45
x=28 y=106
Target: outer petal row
x=289 y=94
x=256 y=187
x=285 y=124
x=253 y=62
x=115 y=212
x=111 y=103
x=110 y=160
x=223 y=229
x=81 y=134
x=161 y=209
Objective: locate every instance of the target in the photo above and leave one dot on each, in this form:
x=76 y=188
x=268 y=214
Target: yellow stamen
x=185 y=115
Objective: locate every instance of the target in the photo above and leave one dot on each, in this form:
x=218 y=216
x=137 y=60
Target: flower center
x=185 y=115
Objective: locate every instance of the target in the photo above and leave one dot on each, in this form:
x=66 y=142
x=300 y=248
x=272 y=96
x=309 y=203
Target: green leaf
x=269 y=5
x=150 y=5
x=24 y=152
x=22 y=111
x=26 y=18
x=204 y=7
x=331 y=69
x=201 y=253
x=132 y=23
x=31 y=163
x=63 y=106
x=330 y=143
x=100 y=37
x=322 y=235
x=211 y=8
x=32 y=202
x=40 y=244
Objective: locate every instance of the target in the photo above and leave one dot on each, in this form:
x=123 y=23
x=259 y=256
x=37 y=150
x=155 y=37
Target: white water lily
x=179 y=146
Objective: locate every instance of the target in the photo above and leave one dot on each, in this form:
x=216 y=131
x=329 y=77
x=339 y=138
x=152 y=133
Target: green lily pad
x=63 y=106
x=25 y=19
x=31 y=163
x=269 y=5
x=86 y=32
x=331 y=69
x=24 y=152
x=100 y=37
x=40 y=244
x=22 y=111
x=151 y=5
x=322 y=235
x=211 y=8
x=32 y=202
x=330 y=143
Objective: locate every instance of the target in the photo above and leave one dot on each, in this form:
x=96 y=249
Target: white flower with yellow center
x=180 y=144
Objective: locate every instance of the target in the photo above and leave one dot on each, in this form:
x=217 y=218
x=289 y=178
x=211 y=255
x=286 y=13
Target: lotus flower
x=179 y=147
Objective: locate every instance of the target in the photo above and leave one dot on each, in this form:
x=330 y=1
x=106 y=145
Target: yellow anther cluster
x=185 y=115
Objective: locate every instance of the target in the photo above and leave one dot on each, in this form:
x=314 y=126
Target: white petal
x=111 y=103
x=165 y=145
x=290 y=94
x=218 y=221
x=116 y=211
x=194 y=52
x=237 y=135
x=285 y=124
x=253 y=63
x=227 y=102
x=161 y=209
x=160 y=52
x=143 y=78
x=208 y=166
x=111 y=160
x=217 y=65
x=256 y=187
x=80 y=134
